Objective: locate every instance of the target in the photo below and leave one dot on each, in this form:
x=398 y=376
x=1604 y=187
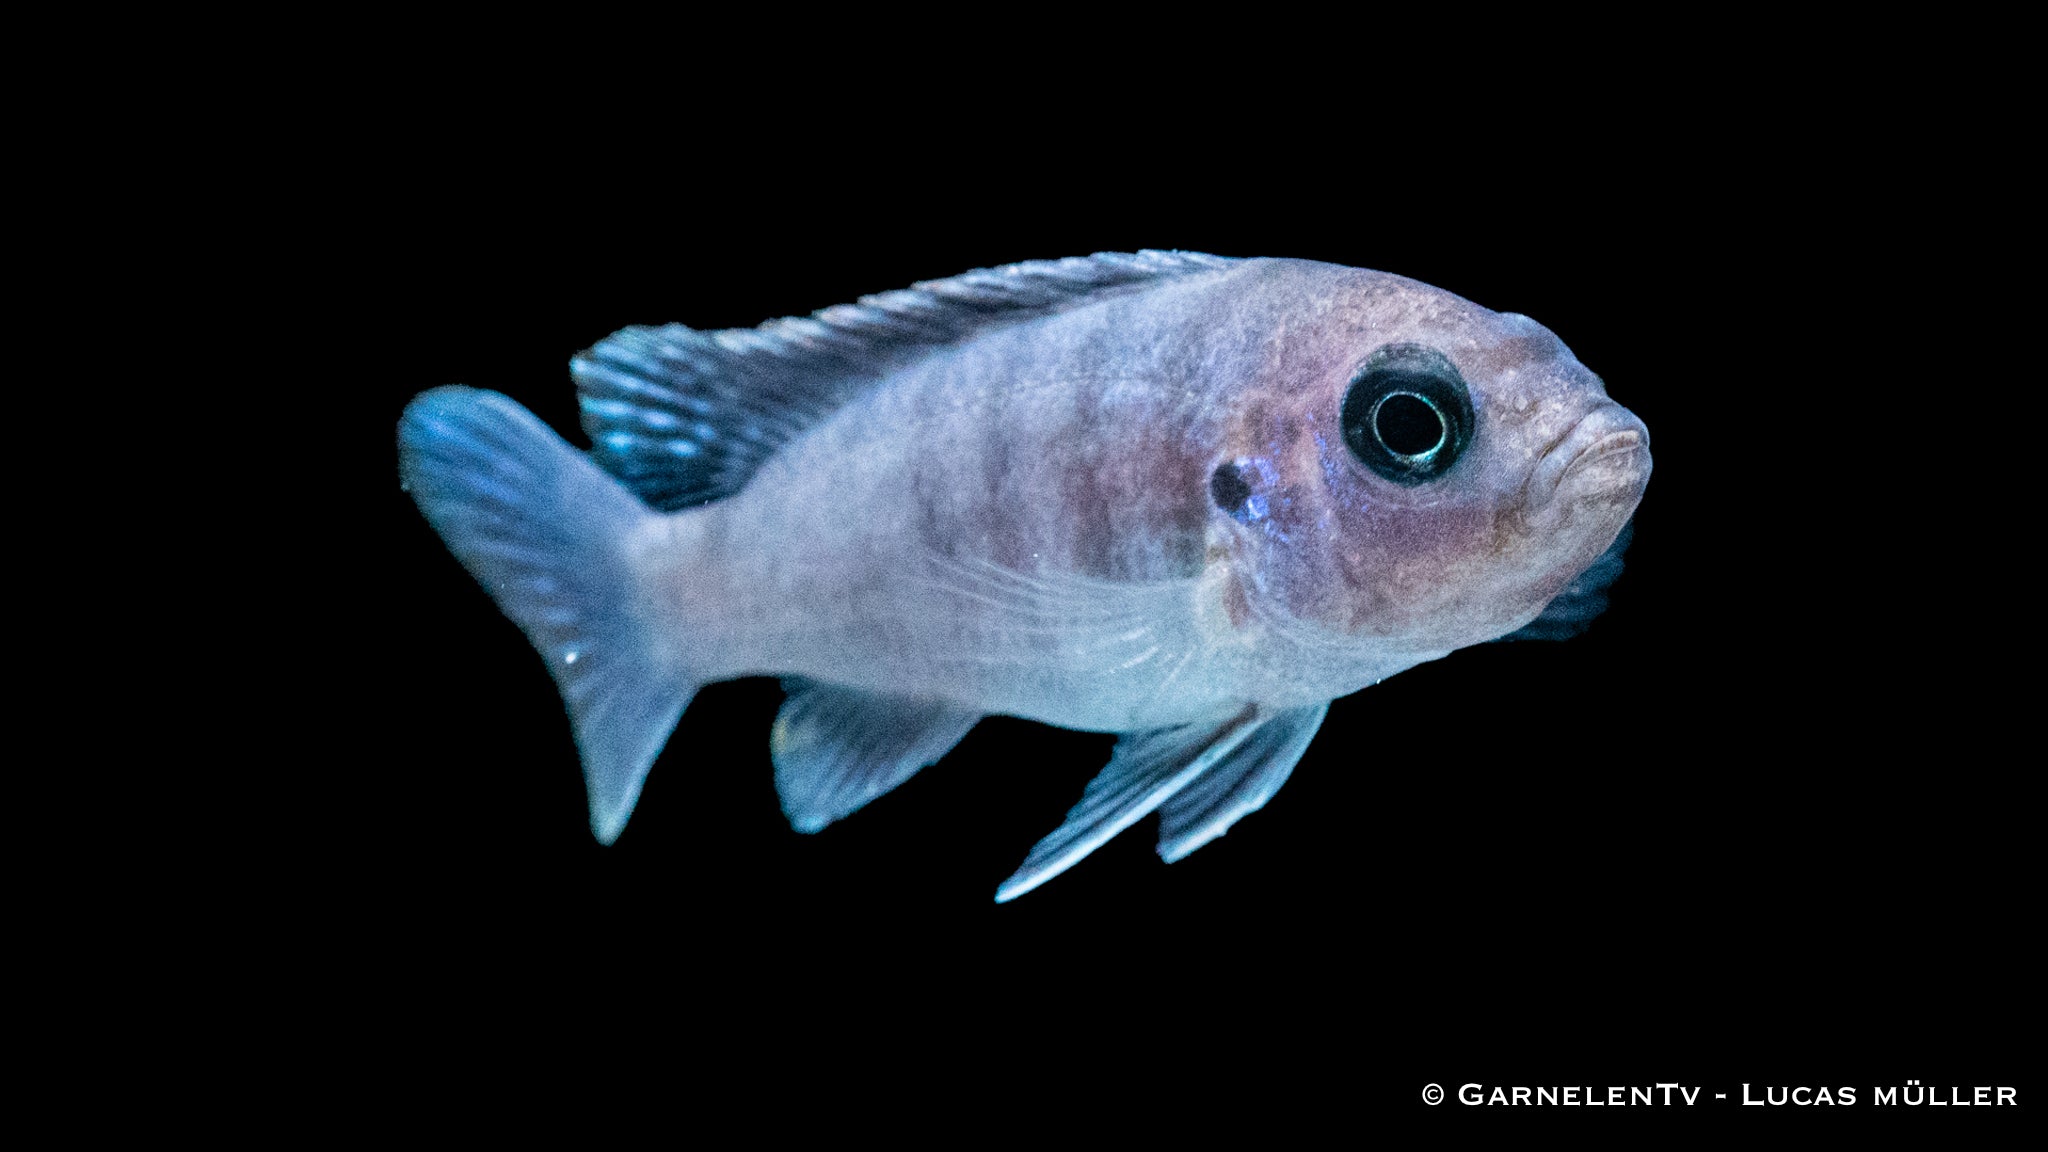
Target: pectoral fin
x=1238 y=786
x=835 y=748
x=1145 y=771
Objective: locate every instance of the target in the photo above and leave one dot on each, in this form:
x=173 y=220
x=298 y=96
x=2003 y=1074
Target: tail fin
x=545 y=532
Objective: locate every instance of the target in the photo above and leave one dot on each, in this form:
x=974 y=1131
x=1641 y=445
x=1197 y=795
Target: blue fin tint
x=544 y=531
x=1146 y=769
x=1572 y=611
x=1248 y=777
x=835 y=748
x=685 y=417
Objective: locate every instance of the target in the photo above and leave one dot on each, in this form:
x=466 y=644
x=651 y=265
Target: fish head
x=1418 y=472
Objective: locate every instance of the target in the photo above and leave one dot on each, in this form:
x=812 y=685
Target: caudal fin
x=545 y=532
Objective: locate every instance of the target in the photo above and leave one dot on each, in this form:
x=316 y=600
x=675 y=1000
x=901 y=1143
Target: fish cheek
x=1407 y=568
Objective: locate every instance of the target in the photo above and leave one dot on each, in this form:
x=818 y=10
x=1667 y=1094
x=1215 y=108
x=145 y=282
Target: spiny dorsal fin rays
x=685 y=417
x=1239 y=786
x=1145 y=769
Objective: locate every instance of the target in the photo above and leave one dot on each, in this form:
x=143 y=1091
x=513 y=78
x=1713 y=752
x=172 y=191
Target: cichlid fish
x=1182 y=498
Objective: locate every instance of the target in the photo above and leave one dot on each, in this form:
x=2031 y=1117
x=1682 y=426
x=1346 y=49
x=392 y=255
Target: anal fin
x=836 y=748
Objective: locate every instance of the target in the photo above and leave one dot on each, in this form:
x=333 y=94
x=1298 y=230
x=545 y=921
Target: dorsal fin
x=685 y=417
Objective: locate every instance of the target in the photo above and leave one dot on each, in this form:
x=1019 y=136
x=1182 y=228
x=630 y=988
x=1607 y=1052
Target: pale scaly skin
x=1022 y=523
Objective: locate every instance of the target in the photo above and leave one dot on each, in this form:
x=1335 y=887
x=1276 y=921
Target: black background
x=1750 y=828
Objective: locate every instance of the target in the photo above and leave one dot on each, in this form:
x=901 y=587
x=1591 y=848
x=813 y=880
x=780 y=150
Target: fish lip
x=1607 y=437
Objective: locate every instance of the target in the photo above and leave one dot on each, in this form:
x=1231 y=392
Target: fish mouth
x=1606 y=455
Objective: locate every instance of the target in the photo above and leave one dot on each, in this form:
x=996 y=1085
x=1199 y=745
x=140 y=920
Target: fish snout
x=1605 y=457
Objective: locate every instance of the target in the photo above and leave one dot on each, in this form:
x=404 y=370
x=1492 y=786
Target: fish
x=1182 y=498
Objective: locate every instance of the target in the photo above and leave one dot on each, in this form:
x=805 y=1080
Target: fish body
x=1181 y=498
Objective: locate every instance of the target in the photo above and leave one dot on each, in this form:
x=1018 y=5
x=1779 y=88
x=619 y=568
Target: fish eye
x=1408 y=414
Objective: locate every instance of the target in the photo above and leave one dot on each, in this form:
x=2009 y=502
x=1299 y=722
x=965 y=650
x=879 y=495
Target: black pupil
x=1408 y=424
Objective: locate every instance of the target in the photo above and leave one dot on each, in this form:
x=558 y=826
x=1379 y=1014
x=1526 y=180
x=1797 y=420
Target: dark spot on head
x=1227 y=487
